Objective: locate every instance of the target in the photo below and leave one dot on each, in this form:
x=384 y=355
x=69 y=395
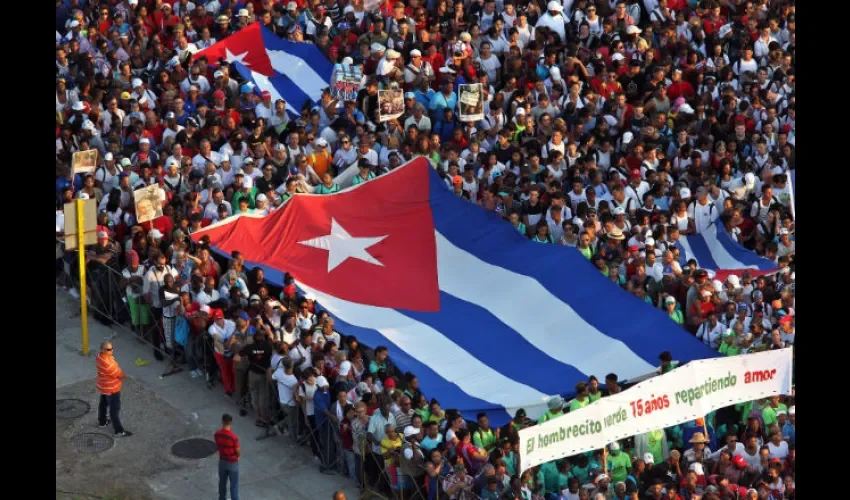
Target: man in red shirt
x=229 y=452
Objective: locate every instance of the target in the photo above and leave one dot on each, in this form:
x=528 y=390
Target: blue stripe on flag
x=701 y=252
x=740 y=253
x=445 y=391
x=482 y=335
x=308 y=52
x=646 y=330
x=290 y=92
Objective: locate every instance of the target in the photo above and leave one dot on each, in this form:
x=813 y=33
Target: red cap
x=635 y=172
x=633 y=248
x=289 y=290
x=218 y=94
x=786 y=128
x=390 y=383
x=143 y=156
x=266 y=95
x=739 y=461
x=785 y=319
x=217 y=314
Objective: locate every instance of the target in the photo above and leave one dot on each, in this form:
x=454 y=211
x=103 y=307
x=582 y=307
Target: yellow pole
x=81 y=250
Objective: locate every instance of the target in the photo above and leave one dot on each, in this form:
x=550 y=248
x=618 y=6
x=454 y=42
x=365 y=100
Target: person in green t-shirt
x=582 y=398
x=619 y=463
x=593 y=392
x=673 y=311
x=768 y=414
x=728 y=346
x=667 y=363
x=484 y=437
x=556 y=409
x=564 y=475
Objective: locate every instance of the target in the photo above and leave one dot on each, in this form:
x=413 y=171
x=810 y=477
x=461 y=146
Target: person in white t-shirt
x=702 y=211
x=287 y=385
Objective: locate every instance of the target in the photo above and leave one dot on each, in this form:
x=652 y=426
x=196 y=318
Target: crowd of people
x=610 y=126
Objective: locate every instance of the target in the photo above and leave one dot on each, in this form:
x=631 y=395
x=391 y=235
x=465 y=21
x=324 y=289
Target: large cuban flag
x=720 y=255
x=292 y=71
x=488 y=320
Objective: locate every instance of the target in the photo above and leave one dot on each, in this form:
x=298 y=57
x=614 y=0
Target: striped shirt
x=108 y=374
x=227 y=443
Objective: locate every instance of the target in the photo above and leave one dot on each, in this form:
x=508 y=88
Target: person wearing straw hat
x=699 y=451
x=556 y=409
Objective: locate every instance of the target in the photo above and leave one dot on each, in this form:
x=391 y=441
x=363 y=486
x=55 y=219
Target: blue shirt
x=789 y=432
x=321 y=401
x=439 y=102
x=424 y=97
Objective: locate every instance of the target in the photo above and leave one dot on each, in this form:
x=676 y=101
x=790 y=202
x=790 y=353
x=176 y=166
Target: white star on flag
x=229 y=57
x=341 y=246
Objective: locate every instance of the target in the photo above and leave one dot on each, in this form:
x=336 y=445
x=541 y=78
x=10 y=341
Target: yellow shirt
x=387 y=445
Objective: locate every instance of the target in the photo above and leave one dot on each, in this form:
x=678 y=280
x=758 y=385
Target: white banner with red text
x=685 y=393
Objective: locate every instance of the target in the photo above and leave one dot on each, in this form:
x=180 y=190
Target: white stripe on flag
x=438 y=352
x=263 y=83
x=300 y=72
x=560 y=333
x=721 y=256
x=689 y=254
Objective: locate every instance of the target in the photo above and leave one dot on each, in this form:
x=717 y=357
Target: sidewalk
x=161 y=411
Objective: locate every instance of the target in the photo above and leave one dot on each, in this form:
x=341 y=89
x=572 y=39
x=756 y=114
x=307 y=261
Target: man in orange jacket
x=109 y=380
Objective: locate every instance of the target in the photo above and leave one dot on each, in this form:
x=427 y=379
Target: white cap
x=697 y=467
x=74 y=24
x=615 y=446
x=734 y=281
x=377 y=47
x=685 y=193
x=144 y=140
x=392 y=54
x=347 y=9
x=292 y=6
x=108 y=156
x=89 y=125
x=260 y=197
x=750 y=179
x=225 y=157
x=155 y=234
x=347 y=61
x=520 y=111
x=410 y=431
x=617 y=57
x=686 y=108
x=137 y=82
x=344 y=368
x=619 y=211
x=247 y=182
x=309 y=296
x=83 y=196
x=554 y=6
x=218 y=74
x=554 y=73
x=792 y=410
x=647 y=457
x=718 y=286
x=633 y=30
x=415 y=53
x=627 y=138
x=243 y=13
x=133 y=2
x=321 y=142
x=649 y=241
x=78 y=106
x=321 y=381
